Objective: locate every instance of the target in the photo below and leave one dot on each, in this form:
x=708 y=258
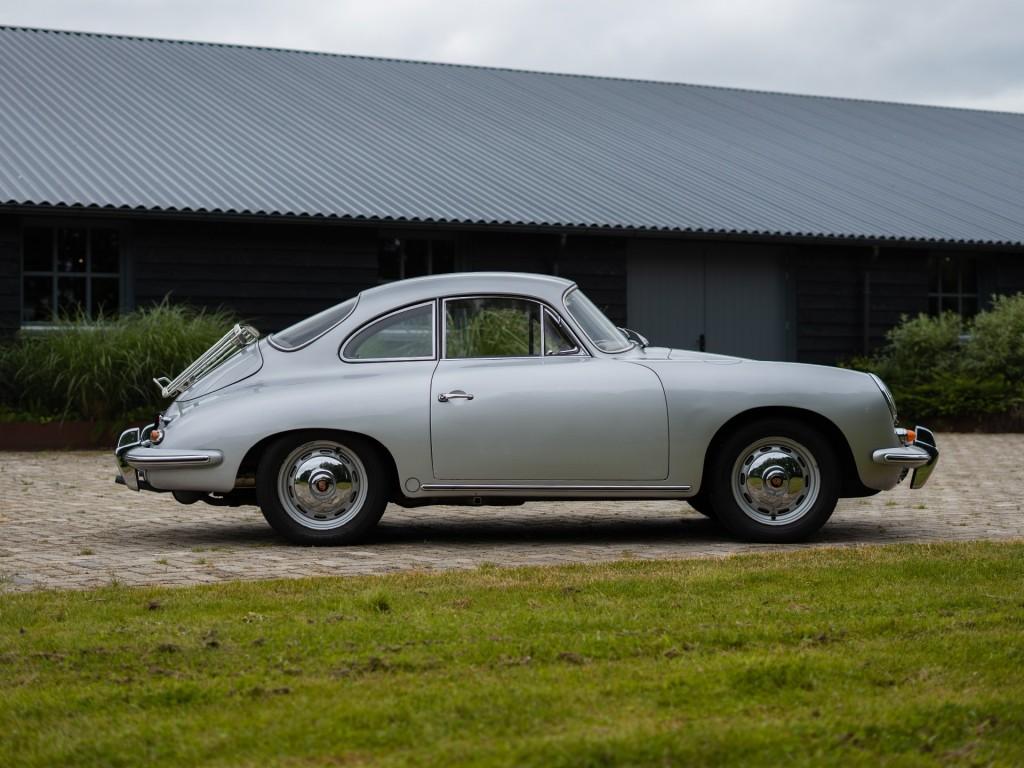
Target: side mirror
x=638 y=338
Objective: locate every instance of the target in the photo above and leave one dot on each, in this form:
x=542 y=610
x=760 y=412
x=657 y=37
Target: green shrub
x=942 y=367
x=103 y=369
x=997 y=342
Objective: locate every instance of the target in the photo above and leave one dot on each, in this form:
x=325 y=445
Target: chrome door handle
x=455 y=394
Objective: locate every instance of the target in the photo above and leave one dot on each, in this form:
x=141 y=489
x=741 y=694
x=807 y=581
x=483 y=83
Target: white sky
x=953 y=52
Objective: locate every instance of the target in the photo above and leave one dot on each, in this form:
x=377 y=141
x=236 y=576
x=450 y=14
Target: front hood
x=240 y=366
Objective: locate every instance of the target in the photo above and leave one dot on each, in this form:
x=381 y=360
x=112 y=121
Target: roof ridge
x=491 y=68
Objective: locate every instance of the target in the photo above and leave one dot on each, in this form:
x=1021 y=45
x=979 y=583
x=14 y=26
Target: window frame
x=581 y=350
x=431 y=238
x=125 y=297
x=432 y=303
x=575 y=288
x=940 y=296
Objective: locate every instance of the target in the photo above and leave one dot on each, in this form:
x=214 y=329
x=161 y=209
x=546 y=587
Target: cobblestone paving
x=64 y=524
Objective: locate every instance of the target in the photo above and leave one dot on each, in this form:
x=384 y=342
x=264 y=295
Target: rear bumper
x=921 y=455
x=134 y=456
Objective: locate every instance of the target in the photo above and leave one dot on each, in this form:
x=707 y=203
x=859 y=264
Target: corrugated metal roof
x=105 y=121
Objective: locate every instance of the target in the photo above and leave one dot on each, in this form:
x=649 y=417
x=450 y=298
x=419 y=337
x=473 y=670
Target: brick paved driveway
x=64 y=524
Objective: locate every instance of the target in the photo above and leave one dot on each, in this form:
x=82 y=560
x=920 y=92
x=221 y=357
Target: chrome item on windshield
x=635 y=337
x=226 y=347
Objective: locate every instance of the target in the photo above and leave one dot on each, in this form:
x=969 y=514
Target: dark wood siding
x=1002 y=274
x=271 y=274
x=10 y=275
x=847 y=298
x=597 y=264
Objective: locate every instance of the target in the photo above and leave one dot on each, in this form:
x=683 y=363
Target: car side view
x=500 y=388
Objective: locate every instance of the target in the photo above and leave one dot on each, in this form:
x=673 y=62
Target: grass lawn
x=910 y=655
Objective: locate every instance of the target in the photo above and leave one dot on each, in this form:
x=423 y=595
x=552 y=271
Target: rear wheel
x=322 y=489
x=775 y=480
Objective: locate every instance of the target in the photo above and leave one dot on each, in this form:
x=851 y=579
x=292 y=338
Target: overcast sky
x=956 y=52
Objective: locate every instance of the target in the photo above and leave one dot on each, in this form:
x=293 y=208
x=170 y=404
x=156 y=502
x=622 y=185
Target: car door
x=514 y=397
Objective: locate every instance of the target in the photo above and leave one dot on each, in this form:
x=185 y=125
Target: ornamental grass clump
x=100 y=370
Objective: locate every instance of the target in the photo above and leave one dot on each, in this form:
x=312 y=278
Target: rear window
x=311 y=328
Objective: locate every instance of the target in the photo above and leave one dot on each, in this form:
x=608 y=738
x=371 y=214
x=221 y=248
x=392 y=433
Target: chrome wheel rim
x=322 y=485
x=775 y=481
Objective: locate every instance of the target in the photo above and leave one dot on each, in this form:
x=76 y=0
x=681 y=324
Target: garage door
x=729 y=299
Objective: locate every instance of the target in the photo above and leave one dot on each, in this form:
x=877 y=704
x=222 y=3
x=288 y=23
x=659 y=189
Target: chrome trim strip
x=166 y=460
x=549 y=487
x=905 y=457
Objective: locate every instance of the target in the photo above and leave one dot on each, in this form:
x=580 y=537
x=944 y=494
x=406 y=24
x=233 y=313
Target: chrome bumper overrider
x=134 y=456
x=921 y=455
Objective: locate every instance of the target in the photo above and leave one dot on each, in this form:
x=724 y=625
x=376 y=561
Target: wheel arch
x=252 y=457
x=851 y=482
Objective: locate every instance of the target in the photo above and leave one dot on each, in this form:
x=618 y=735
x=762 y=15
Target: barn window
x=70 y=272
x=953 y=285
x=402 y=257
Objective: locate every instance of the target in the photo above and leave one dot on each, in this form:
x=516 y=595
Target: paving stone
x=84 y=531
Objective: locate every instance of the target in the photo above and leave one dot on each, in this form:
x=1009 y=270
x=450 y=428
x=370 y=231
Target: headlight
x=889 y=400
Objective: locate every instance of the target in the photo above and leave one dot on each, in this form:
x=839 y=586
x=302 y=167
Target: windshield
x=307 y=330
x=592 y=320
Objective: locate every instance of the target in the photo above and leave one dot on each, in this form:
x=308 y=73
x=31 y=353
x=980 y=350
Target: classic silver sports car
x=496 y=388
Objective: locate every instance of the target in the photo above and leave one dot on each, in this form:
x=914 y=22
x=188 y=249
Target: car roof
x=401 y=292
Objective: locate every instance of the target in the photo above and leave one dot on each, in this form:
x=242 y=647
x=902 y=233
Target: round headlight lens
x=889 y=399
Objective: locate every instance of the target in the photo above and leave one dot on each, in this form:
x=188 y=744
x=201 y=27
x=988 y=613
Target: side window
x=492 y=327
x=556 y=340
x=404 y=335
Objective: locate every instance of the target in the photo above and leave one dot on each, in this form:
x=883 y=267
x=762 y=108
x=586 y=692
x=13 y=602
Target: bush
x=100 y=370
x=941 y=367
x=997 y=343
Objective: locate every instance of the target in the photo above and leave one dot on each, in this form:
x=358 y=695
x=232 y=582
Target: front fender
x=705 y=395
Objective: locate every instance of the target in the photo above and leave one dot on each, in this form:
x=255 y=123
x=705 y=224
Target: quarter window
x=556 y=340
x=404 y=335
x=492 y=327
x=70 y=272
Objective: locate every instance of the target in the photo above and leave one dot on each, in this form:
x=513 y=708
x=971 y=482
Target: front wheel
x=320 y=489
x=775 y=481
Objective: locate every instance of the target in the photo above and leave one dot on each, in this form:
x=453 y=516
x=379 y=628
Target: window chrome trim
x=565 y=295
x=432 y=303
x=544 y=306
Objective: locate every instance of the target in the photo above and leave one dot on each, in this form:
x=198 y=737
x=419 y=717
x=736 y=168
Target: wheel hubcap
x=322 y=485
x=775 y=481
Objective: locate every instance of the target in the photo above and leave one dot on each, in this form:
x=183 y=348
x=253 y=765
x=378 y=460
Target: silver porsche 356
x=499 y=388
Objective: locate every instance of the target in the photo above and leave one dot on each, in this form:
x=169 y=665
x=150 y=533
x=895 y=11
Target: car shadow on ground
x=681 y=531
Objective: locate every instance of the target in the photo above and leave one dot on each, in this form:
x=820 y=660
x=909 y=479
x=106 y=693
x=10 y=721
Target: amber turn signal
x=911 y=436
x=156 y=435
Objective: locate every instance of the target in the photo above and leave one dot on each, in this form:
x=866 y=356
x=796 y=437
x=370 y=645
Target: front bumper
x=134 y=456
x=920 y=454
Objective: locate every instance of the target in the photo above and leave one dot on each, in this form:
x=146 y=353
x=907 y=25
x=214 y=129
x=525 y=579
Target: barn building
x=278 y=182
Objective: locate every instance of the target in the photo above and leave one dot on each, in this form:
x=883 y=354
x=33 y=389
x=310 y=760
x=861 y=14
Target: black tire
x=762 y=446
x=351 y=464
x=702 y=503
